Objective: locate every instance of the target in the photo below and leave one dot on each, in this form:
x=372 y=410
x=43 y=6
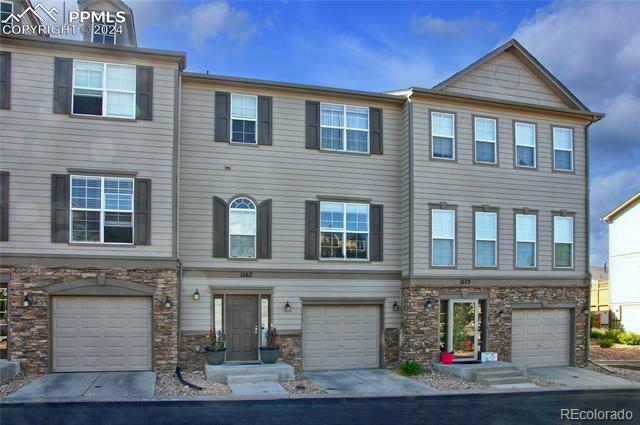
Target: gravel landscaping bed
x=302 y=385
x=16 y=383
x=617 y=352
x=442 y=381
x=167 y=384
x=620 y=372
x=543 y=382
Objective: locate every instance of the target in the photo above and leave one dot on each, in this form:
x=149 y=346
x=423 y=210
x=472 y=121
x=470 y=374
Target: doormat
x=471 y=362
x=242 y=363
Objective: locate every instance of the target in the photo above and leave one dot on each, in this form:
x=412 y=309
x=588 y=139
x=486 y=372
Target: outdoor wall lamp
x=196 y=295
x=396 y=307
x=500 y=314
x=167 y=302
x=585 y=311
x=429 y=304
x=26 y=302
x=287 y=307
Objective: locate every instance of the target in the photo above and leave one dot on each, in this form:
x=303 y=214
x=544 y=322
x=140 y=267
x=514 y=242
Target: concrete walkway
x=89 y=386
x=581 y=378
x=367 y=382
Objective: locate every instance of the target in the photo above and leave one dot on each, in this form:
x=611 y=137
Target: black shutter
x=263 y=241
x=62 y=81
x=223 y=114
x=312 y=230
x=142 y=212
x=375 y=130
x=220 y=228
x=4 y=206
x=377 y=239
x=265 y=119
x=5 y=80
x=144 y=92
x=313 y=125
x=59 y=208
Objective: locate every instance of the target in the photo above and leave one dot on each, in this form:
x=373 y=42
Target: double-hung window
x=486 y=239
x=344 y=231
x=526 y=238
x=344 y=128
x=562 y=149
x=102 y=209
x=6 y=9
x=443 y=237
x=525 y=144
x=562 y=242
x=242 y=228
x=443 y=144
x=244 y=118
x=103 y=33
x=485 y=135
x=104 y=89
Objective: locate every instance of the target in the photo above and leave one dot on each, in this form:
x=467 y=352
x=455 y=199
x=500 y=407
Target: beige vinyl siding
x=286 y=173
x=37 y=143
x=405 y=189
x=466 y=185
x=506 y=77
x=196 y=315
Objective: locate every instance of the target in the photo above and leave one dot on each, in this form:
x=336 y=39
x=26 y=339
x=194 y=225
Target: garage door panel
x=541 y=337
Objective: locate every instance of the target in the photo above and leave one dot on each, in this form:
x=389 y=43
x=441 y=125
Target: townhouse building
x=144 y=205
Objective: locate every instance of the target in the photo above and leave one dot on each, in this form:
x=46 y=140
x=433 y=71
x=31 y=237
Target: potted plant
x=446 y=357
x=216 y=349
x=269 y=354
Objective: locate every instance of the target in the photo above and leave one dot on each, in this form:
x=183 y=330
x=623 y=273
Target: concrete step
x=506 y=373
x=224 y=373
x=252 y=379
x=503 y=380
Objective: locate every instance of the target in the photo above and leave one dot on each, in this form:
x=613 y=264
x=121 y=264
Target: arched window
x=242 y=228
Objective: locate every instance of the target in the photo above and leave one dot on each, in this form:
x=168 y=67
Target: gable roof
x=532 y=63
x=622 y=208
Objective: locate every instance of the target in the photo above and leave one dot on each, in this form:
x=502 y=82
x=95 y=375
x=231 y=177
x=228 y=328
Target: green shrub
x=629 y=338
x=606 y=342
x=410 y=368
x=597 y=332
x=612 y=334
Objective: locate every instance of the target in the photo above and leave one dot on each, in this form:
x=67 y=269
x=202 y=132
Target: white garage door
x=101 y=333
x=341 y=337
x=541 y=337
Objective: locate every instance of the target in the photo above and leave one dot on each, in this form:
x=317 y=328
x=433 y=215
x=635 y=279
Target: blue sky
x=592 y=47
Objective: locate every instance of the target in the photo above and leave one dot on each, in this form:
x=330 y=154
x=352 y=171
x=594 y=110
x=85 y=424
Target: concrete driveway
x=367 y=382
x=581 y=378
x=89 y=386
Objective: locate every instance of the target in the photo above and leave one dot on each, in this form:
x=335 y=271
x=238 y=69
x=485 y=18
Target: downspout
x=588 y=244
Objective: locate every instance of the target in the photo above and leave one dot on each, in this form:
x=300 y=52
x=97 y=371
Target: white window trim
x=255 y=234
x=453 y=138
x=104 y=90
x=571 y=243
x=534 y=241
x=102 y=211
x=93 y=33
x=562 y=149
x=534 y=147
x=345 y=127
x=10 y=13
x=495 y=240
x=478 y=139
x=453 y=247
x=344 y=232
x=231 y=118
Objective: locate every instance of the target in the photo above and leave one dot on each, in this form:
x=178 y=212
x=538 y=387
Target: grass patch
x=410 y=368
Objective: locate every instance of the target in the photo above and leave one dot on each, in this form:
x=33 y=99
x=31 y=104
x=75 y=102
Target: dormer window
x=103 y=33
x=6 y=9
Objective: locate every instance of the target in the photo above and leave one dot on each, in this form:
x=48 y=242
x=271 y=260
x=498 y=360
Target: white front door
x=462 y=329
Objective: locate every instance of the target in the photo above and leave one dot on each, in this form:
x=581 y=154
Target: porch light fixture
x=585 y=311
x=287 y=307
x=196 y=295
x=429 y=304
x=26 y=302
x=500 y=314
x=396 y=307
x=167 y=302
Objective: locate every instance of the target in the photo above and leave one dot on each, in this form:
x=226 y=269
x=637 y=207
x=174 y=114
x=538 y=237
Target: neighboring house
x=600 y=296
x=624 y=262
x=367 y=227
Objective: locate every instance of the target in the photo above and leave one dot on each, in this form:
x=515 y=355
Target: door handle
x=255 y=330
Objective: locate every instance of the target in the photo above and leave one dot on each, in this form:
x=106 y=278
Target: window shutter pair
x=60 y=210
x=4 y=206
x=221 y=229
x=63 y=89
x=5 y=80
x=223 y=118
x=312 y=231
x=312 y=114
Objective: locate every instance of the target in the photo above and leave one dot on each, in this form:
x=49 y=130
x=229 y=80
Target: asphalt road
x=468 y=409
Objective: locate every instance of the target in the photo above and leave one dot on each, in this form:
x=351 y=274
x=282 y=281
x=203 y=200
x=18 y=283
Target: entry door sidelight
x=462 y=335
x=242 y=327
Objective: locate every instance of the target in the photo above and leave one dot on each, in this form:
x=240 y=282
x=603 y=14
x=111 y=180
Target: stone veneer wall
x=29 y=326
x=192 y=347
x=419 y=327
x=291 y=350
x=391 y=347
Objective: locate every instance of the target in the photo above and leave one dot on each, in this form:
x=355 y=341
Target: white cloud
x=440 y=27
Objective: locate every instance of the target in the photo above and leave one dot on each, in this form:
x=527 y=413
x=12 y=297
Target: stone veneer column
x=419 y=325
